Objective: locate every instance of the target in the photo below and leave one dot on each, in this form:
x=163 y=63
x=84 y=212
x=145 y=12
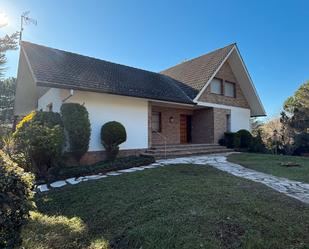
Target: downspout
x=69 y=96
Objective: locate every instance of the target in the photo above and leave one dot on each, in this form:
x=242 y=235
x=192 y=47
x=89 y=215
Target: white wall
x=240 y=117
x=131 y=112
x=53 y=96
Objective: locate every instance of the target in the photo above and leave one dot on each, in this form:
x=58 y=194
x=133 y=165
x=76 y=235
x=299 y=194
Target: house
x=194 y=102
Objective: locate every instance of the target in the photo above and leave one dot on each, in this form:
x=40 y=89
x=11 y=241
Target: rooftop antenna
x=25 y=20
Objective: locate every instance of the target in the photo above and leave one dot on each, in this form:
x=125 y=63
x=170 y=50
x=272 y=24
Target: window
x=216 y=86
x=229 y=89
x=228 y=122
x=49 y=107
x=156 y=121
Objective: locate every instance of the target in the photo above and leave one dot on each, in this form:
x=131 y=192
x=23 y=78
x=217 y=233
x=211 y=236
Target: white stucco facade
x=131 y=112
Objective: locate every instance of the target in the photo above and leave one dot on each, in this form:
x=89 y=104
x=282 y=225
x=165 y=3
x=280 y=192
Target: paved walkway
x=297 y=190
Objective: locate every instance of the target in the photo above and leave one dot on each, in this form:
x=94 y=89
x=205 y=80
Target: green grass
x=270 y=164
x=181 y=206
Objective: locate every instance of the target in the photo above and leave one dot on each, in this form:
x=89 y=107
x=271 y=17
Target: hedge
x=15 y=201
x=77 y=126
x=39 y=141
x=245 y=138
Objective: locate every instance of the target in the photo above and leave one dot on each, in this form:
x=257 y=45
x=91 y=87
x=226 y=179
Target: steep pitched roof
x=196 y=72
x=57 y=68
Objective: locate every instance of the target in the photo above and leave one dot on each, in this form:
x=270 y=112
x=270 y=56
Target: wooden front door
x=183 y=129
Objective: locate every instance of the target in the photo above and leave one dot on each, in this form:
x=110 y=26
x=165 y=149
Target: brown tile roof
x=195 y=73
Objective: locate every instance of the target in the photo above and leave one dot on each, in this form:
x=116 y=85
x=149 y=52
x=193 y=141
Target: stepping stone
x=138 y=168
x=73 y=181
x=113 y=173
x=95 y=177
x=82 y=179
x=58 y=184
x=150 y=167
x=43 y=188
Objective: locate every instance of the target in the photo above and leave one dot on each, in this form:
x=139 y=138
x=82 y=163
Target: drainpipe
x=69 y=96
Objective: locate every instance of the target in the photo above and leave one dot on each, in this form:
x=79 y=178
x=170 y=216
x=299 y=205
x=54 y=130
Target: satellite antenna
x=25 y=20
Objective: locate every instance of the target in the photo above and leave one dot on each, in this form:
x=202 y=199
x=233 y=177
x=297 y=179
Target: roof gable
x=195 y=73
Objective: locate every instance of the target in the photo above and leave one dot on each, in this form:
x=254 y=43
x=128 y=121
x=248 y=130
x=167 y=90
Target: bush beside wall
x=77 y=127
x=112 y=135
x=244 y=141
x=39 y=140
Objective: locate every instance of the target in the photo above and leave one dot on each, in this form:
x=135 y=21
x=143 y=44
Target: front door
x=183 y=129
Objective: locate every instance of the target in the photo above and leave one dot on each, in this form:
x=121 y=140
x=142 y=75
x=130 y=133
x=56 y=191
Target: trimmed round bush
x=15 y=201
x=245 y=138
x=112 y=135
x=39 y=140
x=77 y=126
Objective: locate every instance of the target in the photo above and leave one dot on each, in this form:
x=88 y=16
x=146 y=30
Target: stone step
x=187 y=153
x=177 y=149
x=183 y=146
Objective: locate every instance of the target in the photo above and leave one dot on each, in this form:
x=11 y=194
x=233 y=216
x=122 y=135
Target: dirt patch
x=229 y=234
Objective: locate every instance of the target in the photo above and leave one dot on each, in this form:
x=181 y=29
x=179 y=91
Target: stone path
x=297 y=190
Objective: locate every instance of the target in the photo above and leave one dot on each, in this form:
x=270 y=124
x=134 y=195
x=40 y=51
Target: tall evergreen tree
x=297 y=109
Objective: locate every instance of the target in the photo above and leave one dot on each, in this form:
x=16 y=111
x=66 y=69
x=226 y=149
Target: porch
x=179 y=124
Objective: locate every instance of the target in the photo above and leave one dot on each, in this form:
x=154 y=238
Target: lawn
x=180 y=206
x=270 y=164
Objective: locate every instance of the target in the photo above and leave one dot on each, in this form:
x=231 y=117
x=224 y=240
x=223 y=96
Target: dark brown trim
x=160 y=121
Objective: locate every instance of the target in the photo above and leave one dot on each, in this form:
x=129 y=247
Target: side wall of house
x=131 y=112
x=26 y=92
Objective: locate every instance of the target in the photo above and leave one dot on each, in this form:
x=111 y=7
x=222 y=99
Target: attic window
x=216 y=86
x=229 y=89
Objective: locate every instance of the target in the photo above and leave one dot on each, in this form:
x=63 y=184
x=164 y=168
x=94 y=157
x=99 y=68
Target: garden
x=37 y=152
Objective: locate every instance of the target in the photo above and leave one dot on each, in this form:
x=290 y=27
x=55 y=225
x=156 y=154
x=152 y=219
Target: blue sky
x=272 y=36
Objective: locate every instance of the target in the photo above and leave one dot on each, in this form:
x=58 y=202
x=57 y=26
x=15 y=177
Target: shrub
x=245 y=139
x=39 y=139
x=112 y=135
x=15 y=201
x=221 y=141
x=301 y=143
x=257 y=145
x=77 y=126
x=232 y=140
